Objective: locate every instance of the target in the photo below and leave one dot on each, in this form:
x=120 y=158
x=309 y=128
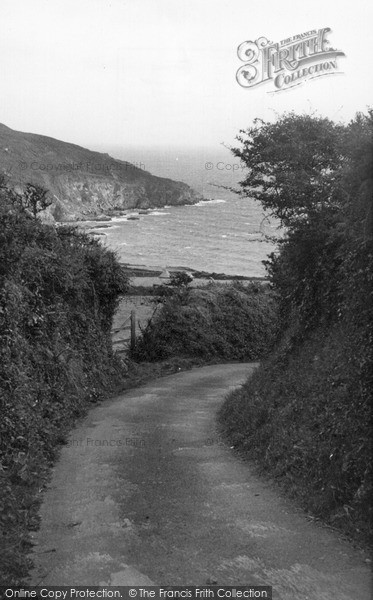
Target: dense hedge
x=229 y=322
x=306 y=413
x=303 y=418
x=58 y=293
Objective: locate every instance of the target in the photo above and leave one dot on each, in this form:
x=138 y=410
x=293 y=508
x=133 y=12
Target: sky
x=162 y=73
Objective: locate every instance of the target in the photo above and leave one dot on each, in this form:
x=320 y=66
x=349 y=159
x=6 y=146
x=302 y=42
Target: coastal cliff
x=83 y=184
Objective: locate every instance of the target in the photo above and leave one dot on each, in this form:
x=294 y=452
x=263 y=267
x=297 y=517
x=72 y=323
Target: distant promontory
x=84 y=184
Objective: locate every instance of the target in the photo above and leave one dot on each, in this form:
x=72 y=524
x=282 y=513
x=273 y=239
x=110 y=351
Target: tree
x=35 y=198
x=315 y=176
x=180 y=279
x=292 y=165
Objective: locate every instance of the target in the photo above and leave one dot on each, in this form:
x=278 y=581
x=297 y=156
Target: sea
x=223 y=234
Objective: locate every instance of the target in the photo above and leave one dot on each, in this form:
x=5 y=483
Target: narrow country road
x=146 y=493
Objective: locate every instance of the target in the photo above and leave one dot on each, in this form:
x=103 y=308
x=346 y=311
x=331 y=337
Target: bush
x=303 y=418
x=229 y=322
x=58 y=293
x=306 y=413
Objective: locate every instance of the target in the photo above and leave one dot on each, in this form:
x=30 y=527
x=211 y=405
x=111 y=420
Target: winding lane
x=146 y=493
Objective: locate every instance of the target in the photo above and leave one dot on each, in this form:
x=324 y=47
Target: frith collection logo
x=289 y=62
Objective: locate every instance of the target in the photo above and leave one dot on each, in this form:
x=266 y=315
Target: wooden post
x=133 y=329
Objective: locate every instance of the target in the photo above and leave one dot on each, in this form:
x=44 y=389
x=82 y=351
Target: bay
x=225 y=234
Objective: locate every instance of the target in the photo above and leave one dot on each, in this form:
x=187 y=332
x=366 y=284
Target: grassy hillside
x=58 y=293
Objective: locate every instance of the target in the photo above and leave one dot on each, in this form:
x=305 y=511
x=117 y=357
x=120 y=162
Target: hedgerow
x=305 y=416
x=58 y=293
x=225 y=322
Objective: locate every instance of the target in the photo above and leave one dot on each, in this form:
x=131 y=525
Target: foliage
x=36 y=198
x=230 y=322
x=58 y=293
x=302 y=417
x=180 y=279
x=175 y=287
x=305 y=415
x=292 y=165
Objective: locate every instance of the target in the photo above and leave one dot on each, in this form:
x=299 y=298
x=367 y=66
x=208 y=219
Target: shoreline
x=127 y=213
x=147 y=276
x=145 y=272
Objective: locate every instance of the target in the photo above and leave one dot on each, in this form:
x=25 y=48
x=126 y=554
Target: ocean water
x=226 y=234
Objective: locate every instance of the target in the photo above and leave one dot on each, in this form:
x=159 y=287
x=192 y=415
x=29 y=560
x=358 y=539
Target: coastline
x=225 y=248
x=142 y=275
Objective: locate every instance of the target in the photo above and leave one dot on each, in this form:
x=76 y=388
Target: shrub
x=229 y=322
x=306 y=413
x=58 y=293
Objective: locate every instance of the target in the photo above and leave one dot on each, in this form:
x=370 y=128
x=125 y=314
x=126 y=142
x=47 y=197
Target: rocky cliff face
x=83 y=184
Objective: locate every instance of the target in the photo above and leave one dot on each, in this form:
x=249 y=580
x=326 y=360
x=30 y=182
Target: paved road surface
x=145 y=493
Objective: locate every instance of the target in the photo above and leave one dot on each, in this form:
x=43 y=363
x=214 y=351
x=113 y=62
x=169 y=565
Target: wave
x=214 y=201
x=119 y=219
x=183 y=237
x=158 y=212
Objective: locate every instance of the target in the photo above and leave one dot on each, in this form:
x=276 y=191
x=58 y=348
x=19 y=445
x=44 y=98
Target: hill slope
x=83 y=183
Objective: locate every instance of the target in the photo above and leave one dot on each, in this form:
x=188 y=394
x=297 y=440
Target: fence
x=131 y=327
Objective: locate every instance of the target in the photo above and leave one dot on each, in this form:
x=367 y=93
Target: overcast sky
x=162 y=72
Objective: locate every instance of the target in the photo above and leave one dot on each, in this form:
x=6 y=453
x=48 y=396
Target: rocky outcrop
x=83 y=184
